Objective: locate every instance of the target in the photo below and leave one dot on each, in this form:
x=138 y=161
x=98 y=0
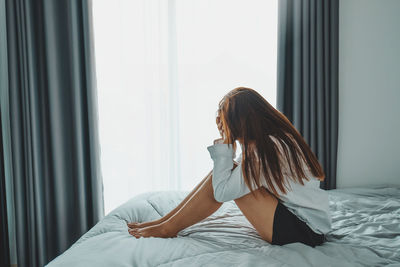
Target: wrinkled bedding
x=365 y=221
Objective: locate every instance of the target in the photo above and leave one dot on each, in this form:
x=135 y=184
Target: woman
x=275 y=182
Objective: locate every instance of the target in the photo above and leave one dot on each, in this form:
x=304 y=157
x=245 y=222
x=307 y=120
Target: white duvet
x=366 y=232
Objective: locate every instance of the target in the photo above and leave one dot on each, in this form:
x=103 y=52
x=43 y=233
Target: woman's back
x=308 y=202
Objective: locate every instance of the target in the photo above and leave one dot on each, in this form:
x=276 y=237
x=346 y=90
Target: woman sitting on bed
x=275 y=182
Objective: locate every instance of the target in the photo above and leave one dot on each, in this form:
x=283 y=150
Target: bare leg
x=201 y=205
x=259 y=211
x=171 y=213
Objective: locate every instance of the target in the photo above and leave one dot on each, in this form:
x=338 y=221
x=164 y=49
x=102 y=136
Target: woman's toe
x=133 y=224
x=131 y=231
x=134 y=233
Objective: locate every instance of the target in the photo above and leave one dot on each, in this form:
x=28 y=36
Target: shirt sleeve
x=228 y=184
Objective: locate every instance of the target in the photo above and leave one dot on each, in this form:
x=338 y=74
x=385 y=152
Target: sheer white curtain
x=162 y=67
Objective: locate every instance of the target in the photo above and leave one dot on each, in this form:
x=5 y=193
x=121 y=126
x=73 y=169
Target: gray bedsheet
x=366 y=232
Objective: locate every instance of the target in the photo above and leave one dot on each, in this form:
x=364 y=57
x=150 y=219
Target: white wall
x=369 y=93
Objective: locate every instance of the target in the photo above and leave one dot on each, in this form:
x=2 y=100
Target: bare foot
x=143 y=224
x=159 y=230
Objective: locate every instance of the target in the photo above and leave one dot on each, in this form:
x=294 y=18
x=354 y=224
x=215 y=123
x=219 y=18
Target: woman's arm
x=228 y=182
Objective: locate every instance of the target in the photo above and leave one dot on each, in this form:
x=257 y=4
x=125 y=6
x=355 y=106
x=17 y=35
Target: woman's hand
x=223 y=139
x=219 y=125
x=220 y=141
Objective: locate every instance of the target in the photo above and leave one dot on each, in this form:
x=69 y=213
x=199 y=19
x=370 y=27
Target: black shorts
x=288 y=228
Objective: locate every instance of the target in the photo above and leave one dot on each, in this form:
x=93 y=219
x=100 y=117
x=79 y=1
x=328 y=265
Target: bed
x=365 y=221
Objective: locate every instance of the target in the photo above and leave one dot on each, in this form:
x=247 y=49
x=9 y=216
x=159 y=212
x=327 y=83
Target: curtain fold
x=4 y=241
x=307 y=85
x=52 y=121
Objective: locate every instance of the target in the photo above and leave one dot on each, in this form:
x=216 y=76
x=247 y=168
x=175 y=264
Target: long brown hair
x=270 y=143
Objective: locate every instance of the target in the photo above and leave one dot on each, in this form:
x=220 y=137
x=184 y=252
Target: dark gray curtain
x=307 y=87
x=52 y=121
x=4 y=244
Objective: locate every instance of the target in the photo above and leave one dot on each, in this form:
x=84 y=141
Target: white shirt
x=308 y=202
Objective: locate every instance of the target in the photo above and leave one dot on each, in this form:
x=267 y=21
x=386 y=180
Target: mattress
x=365 y=232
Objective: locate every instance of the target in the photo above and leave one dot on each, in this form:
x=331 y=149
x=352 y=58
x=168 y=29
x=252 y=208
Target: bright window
x=162 y=67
